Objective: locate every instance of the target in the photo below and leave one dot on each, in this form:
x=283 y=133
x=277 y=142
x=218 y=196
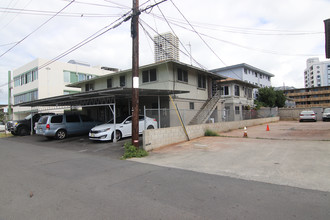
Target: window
x=23 y=79
x=245 y=71
x=236 y=90
x=191 y=105
x=17 y=81
x=182 y=75
x=250 y=93
x=201 y=81
x=237 y=110
x=149 y=76
x=26 y=97
x=122 y=81
x=89 y=87
x=57 y=119
x=66 y=76
x=81 y=76
x=256 y=74
x=34 y=74
x=109 y=83
x=224 y=90
x=72 y=118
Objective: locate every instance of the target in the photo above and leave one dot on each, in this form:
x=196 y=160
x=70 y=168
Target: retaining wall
x=156 y=138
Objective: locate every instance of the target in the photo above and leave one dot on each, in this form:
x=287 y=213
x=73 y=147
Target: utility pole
x=135 y=73
x=9 y=95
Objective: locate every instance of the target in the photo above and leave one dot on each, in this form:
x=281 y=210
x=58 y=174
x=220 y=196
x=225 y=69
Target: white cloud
x=238 y=27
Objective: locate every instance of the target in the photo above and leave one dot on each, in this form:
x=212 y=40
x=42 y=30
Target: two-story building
x=190 y=87
x=237 y=96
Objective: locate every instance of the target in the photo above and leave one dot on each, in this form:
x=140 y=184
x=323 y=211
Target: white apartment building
x=36 y=81
x=166 y=47
x=246 y=73
x=317 y=73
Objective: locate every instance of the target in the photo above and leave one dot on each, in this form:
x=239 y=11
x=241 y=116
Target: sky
x=275 y=36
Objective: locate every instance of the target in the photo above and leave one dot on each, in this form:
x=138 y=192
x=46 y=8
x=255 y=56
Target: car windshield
x=327 y=110
x=118 y=120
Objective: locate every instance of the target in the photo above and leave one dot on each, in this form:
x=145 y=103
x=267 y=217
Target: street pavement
x=290 y=153
x=60 y=180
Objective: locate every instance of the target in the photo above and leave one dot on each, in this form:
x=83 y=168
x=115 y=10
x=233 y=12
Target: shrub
x=132 y=151
x=210 y=133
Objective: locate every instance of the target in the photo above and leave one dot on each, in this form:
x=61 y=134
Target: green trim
x=71 y=91
x=35 y=68
x=28 y=91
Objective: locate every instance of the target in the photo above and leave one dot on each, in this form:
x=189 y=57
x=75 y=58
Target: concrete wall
x=293 y=113
x=153 y=139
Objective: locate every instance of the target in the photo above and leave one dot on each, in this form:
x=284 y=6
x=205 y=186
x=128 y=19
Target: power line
x=37 y=29
x=101 y=5
x=242 y=46
x=49 y=13
x=188 y=55
x=242 y=30
x=198 y=33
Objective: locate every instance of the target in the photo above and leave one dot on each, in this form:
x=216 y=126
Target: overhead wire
x=36 y=29
x=179 y=39
x=50 y=13
x=128 y=15
x=239 y=45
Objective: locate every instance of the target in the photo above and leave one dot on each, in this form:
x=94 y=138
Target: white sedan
x=105 y=132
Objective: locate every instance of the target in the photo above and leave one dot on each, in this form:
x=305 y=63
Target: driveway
x=79 y=144
x=290 y=153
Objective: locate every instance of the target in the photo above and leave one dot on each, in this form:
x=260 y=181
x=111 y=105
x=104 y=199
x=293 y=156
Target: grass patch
x=3 y=135
x=209 y=132
x=132 y=151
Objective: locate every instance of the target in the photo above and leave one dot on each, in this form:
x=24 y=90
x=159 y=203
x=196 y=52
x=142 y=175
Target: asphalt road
x=45 y=180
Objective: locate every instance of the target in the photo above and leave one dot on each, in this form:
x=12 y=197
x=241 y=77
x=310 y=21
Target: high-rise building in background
x=166 y=47
x=317 y=73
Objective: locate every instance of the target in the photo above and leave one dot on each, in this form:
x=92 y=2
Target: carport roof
x=97 y=97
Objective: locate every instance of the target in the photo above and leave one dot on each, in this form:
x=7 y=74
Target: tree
x=268 y=97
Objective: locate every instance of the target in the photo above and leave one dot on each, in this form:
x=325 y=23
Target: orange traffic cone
x=245 y=133
x=267 y=129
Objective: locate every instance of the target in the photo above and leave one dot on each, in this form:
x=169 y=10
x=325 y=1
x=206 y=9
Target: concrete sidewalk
x=291 y=153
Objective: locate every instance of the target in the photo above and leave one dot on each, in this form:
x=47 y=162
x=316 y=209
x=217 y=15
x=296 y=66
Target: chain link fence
x=171 y=118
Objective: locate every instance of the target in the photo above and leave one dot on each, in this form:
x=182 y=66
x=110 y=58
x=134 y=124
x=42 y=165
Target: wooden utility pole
x=135 y=74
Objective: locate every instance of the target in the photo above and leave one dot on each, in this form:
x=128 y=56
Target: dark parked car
x=23 y=127
x=326 y=114
x=62 y=125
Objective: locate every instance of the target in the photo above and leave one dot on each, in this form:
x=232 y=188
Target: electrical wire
x=51 y=13
x=241 y=30
x=198 y=34
x=36 y=29
x=242 y=46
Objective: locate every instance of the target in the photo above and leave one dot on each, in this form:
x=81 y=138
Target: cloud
x=256 y=32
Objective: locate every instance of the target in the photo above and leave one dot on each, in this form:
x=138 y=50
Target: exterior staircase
x=206 y=110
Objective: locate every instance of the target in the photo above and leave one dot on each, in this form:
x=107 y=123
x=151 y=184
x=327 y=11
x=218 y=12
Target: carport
x=96 y=98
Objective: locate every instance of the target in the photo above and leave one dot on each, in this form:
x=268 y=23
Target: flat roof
x=97 y=97
x=243 y=65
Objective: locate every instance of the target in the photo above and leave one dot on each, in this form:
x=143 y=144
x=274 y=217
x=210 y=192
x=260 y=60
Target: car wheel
x=13 y=133
x=22 y=131
x=60 y=134
x=118 y=135
x=150 y=127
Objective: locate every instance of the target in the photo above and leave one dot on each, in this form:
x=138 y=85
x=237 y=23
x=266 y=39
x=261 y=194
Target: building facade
x=166 y=47
x=317 y=73
x=237 y=96
x=30 y=82
x=310 y=97
x=248 y=74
